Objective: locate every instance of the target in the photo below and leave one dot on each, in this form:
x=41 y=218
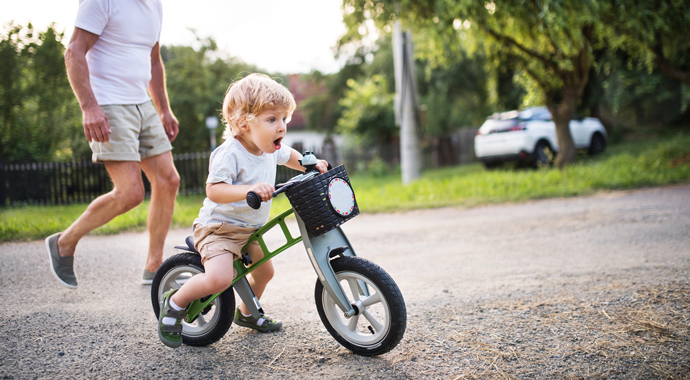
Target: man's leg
x=127 y=193
x=165 y=181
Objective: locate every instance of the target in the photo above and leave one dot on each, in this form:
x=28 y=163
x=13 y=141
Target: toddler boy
x=256 y=111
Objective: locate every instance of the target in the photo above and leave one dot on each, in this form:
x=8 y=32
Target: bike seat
x=190 y=245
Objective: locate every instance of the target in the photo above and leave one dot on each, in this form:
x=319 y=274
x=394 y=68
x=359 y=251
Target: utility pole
x=406 y=104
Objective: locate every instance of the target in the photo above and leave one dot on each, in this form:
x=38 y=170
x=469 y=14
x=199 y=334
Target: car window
x=541 y=116
x=535 y=113
x=497 y=125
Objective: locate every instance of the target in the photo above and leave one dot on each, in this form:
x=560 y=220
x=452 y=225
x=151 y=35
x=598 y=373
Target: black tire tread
x=592 y=149
x=541 y=145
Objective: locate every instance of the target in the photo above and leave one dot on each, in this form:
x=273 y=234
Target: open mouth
x=276 y=143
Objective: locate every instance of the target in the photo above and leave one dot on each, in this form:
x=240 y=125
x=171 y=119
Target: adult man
x=112 y=59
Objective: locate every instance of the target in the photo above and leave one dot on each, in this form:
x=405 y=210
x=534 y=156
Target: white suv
x=530 y=136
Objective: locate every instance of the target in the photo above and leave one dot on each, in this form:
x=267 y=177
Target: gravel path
x=588 y=287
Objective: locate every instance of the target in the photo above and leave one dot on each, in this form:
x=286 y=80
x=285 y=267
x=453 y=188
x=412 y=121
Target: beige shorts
x=136 y=132
x=216 y=239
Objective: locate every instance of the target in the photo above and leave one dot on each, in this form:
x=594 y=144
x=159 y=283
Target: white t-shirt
x=232 y=163
x=120 y=60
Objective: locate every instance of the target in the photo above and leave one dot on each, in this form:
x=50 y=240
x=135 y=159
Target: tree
x=322 y=111
x=654 y=32
x=39 y=115
x=550 y=40
x=453 y=96
x=197 y=80
x=368 y=111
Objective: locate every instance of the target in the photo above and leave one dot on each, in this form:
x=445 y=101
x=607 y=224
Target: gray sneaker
x=147 y=277
x=62 y=267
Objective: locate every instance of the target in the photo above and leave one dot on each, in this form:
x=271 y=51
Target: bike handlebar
x=254 y=200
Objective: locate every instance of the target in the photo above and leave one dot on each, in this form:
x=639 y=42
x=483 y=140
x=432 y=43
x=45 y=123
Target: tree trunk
x=574 y=83
x=562 y=113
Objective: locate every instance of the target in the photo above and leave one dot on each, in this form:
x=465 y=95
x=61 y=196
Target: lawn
x=628 y=165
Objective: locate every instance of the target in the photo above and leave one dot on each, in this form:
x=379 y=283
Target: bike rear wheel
x=381 y=317
x=214 y=321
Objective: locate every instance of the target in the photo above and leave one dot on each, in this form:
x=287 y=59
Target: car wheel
x=597 y=144
x=543 y=155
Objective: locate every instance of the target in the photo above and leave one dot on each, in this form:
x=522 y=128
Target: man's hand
x=321 y=166
x=170 y=124
x=96 y=126
x=264 y=190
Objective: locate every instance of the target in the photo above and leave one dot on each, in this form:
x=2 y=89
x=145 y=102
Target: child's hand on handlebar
x=322 y=166
x=263 y=189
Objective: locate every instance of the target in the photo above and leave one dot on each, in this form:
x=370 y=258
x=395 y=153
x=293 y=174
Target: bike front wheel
x=381 y=317
x=212 y=323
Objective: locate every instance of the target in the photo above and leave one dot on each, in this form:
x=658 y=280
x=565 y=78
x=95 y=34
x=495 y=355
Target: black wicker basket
x=314 y=201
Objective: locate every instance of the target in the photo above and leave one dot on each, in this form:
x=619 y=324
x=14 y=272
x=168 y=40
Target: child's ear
x=243 y=124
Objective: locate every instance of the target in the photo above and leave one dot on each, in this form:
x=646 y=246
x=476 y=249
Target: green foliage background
x=634 y=54
x=39 y=115
x=40 y=119
x=463 y=75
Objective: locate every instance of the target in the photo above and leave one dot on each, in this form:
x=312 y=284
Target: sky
x=279 y=36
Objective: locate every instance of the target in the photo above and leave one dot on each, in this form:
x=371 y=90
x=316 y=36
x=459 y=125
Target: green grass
x=624 y=166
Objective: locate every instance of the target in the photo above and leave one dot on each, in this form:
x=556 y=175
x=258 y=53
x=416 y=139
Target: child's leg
x=258 y=280
x=218 y=277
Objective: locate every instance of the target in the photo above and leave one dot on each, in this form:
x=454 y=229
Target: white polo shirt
x=120 y=60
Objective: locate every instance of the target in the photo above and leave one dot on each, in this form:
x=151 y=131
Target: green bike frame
x=320 y=249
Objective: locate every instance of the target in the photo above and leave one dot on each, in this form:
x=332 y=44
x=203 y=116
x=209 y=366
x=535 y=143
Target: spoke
x=201 y=322
x=376 y=298
x=352 y=326
x=175 y=285
x=354 y=288
x=374 y=323
x=183 y=277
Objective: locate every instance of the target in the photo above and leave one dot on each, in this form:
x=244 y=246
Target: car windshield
x=503 y=121
x=535 y=113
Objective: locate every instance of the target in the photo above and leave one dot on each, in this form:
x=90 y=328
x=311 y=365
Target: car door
x=579 y=133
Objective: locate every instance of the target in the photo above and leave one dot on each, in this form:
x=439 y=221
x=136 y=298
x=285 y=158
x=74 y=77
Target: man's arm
x=159 y=93
x=96 y=125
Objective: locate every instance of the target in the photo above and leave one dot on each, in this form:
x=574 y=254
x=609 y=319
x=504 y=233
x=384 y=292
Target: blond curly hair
x=250 y=96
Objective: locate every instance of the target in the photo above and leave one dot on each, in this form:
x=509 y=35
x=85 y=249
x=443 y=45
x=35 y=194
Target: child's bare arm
x=222 y=192
x=293 y=163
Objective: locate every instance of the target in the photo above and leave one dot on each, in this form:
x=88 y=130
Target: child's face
x=266 y=132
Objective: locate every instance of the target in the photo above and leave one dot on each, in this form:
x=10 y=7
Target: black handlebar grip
x=281 y=189
x=253 y=200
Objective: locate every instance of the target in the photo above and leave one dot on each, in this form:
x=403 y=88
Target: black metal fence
x=83 y=181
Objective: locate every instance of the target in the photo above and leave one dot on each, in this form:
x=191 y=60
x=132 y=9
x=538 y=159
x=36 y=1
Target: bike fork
x=319 y=249
x=248 y=297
